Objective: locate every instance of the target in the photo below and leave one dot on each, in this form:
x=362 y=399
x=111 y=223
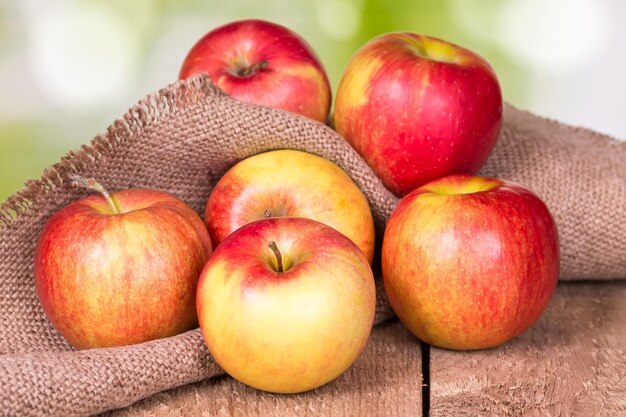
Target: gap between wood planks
x=425 y=348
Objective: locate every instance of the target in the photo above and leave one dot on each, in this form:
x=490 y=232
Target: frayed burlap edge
x=148 y=111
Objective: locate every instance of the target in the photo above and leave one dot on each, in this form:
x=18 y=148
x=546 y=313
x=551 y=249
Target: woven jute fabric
x=181 y=140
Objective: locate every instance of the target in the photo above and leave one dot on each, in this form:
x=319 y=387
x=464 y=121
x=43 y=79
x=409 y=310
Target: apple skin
x=290 y=183
x=417 y=108
x=108 y=279
x=290 y=331
x=293 y=80
x=470 y=262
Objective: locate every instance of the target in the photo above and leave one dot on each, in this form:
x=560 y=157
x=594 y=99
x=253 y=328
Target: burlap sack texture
x=181 y=140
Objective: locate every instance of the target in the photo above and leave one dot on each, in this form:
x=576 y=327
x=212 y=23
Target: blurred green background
x=68 y=68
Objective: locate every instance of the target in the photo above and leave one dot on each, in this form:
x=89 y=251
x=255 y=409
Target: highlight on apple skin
x=417 y=108
x=121 y=272
x=470 y=262
x=289 y=331
x=264 y=63
x=290 y=183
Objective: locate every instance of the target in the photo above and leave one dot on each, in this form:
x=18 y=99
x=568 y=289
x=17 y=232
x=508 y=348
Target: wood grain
x=570 y=363
x=385 y=380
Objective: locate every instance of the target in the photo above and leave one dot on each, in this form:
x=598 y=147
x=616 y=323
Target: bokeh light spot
x=80 y=56
x=339 y=19
x=554 y=36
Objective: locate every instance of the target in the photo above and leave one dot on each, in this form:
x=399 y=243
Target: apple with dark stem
x=286 y=304
x=121 y=268
x=263 y=63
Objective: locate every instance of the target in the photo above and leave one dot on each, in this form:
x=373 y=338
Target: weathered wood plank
x=385 y=380
x=571 y=363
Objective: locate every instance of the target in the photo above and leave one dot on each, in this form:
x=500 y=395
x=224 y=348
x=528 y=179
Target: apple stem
x=279 y=257
x=251 y=69
x=267 y=214
x=92 y=184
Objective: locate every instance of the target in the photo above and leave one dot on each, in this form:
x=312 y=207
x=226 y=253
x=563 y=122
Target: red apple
x=418 y=108
x=122 y=269
x=263 y=63
x=470 y=262
x=286 y=304
x=290 y=183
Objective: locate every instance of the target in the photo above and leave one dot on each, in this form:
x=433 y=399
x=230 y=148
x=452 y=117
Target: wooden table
x=570 y=363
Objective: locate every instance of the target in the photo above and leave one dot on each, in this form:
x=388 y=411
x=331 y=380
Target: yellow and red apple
x=290 y=183
x=470 y=262
x=417 y=108
x=263 y=63
x=286 y=304
x=122 y=269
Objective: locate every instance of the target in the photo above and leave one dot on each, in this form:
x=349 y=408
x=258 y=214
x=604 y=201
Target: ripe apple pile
x=286 y=301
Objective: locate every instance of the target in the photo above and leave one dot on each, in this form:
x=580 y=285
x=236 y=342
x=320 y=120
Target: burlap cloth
x=181 y=140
